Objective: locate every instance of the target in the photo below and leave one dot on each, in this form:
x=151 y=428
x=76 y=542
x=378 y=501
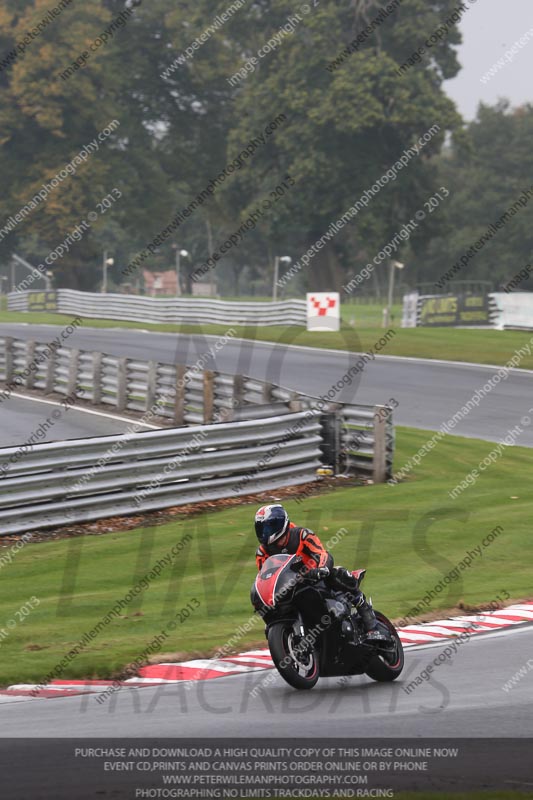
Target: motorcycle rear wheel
x=387 y=666
x=299 y=669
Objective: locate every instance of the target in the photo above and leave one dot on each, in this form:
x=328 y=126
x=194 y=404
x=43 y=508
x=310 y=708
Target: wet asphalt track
x=464 y=697
x=428 y=392
x=22 y=418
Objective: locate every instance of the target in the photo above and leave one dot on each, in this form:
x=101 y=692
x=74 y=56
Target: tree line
x=255 y=122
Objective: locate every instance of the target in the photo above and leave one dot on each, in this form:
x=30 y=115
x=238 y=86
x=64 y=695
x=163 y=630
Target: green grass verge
x=478 y=346
x=408 y=536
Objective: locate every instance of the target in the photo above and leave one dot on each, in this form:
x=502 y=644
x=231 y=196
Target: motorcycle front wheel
x=387 y=664
x=296 y=663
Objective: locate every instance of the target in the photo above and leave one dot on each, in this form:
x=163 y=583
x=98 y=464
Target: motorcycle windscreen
x=275 y=579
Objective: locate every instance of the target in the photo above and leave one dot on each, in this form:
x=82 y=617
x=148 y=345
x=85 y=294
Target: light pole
x=179 y=253
x=388 y=311
x=286 y=260
x=34 y=271
x=108 y=262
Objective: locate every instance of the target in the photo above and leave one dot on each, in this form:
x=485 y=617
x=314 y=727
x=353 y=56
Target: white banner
x=513 y=310
x=410 y=306
x=323 y=311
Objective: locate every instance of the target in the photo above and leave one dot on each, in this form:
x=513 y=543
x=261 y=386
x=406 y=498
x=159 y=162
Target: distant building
x=200 y=289
x=161 y=284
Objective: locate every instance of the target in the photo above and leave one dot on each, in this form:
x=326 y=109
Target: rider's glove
x=317 y=574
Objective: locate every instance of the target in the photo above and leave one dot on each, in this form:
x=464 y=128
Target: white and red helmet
x=271 y=523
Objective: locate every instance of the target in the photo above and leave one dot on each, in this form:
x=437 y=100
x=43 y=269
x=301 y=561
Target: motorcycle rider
x=277 y=534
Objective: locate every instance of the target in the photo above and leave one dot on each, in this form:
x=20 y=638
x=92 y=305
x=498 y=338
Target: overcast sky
x=490 y=28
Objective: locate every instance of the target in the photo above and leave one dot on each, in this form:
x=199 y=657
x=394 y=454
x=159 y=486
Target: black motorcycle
x=314 y=630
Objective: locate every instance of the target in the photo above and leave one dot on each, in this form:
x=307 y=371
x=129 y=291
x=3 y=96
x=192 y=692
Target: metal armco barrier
x=177 y=310
x=186 y=395
x=359 y=439
x=367 y=441
x=60 y=483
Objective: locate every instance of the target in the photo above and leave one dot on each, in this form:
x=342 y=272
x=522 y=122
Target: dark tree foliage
x=344 y=118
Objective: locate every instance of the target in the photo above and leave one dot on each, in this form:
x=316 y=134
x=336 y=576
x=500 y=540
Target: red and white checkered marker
x=321 y=307
x=323 y=311
x=257 y=660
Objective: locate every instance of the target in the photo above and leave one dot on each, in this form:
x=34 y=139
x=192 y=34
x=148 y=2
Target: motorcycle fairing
x=268 y=579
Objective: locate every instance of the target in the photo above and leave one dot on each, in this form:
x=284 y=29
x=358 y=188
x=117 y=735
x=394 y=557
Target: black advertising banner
x=453 y=310
x=42 y=301
x=62 y=769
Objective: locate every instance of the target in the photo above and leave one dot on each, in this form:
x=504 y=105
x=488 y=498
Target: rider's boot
x=350 y=585
x=366 y=612
x=372 y=632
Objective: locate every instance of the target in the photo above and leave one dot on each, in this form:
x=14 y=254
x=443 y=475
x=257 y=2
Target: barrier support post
x=51 y=372
x=209 y=395
x=151 y=384
x=122 y=384
x=97 y=378
x=9 y=359
x=72 y=381
x=379 y=461
x=331 y=423
x=30 y=359
x=179 y=399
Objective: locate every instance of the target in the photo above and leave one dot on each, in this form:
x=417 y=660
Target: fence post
x=390 y=444
x=331 y=422
x=151 y=384
x=179 y=399
x=379 y=462
x=72 y=381
x=238 y=395
x=9 y=359
x=295 y=402
x=51 y=371
x=268 y=395
x=97 y=378
x=30 y=359
x=122 y=384
x=209 y=395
